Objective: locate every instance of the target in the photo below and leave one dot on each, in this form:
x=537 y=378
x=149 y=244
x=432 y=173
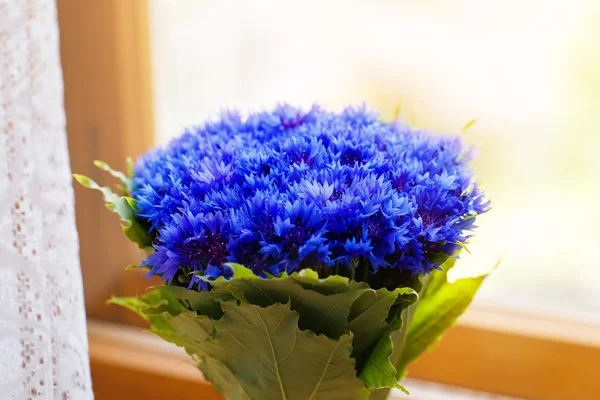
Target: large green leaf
x=333 y=284
x=169 y=318
x=379 y=372
x=222 y=378
x=136 y=305
x=368 y=318
x=187 y=330
x=190 y=324
x=192 y=346
x=151 y=307
x=251 y=289
x=398 y=338
x=273 y=359
x=124 y=207
x=325 y=314
x=321 y=313
x=204 y=303
x=151 y=303
x=436 y=313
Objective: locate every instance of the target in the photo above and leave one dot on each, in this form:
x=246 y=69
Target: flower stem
x=355 y=263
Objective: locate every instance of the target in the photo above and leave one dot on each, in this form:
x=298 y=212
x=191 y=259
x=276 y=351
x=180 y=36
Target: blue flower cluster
x=284 y=190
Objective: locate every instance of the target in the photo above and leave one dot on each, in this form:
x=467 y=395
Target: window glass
x=528 y=72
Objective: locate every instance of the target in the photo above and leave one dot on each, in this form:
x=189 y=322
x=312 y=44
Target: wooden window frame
x=105 y=54
x=108 y=99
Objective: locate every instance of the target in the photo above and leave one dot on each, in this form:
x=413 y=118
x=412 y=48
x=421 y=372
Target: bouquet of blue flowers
x=304 y=254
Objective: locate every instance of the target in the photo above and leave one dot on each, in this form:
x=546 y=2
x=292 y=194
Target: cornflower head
x=340 y=193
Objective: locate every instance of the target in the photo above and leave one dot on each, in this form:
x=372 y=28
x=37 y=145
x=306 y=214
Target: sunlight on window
x=528 y=72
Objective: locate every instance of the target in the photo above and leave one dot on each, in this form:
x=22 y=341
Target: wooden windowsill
x=128 y=364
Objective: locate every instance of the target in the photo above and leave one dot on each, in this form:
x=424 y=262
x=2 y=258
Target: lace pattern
x=43 y=339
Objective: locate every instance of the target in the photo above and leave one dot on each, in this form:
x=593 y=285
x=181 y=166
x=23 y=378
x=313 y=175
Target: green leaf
x=158 y=302
x=437 y=278
x=134 y=304
x=152 y=306
x=368 y=319
x=190 y=324
x=273 y=359
x=109 y=196
x=245 y=286
x=398 y=338
x=326 y=314
x=192 y=347
x=151 y=303
x=124 y=207
x=333 y=284
x=117 y=174
x=319 y=312
x=186 y=330
x=189 y=330
x=436 y=313
x=378 y=372
x=202 y=302
x=222 y=378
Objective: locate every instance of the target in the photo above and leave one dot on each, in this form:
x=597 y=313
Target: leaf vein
x=329 y=312
x=372 y=305
x=277 y=326
x=262 y=291
x=252 y=351
x=283 y=396
x=291 y=350
x=324 y=370
x=247 y=322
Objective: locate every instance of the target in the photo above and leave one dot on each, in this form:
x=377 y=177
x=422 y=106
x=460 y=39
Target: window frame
x=106 y=60
x=108 y=99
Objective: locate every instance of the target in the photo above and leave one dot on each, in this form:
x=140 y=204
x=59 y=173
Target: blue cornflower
x=288 y=189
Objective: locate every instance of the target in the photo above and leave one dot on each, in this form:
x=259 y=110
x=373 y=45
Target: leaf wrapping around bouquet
x=273 y=359
x=222 y=378
x=253 y=337
x=379 y=372
x=259 y=353
x=331 y=306
x=153 y=307
x=321 y=313
x=204 y=303
x=368 y=318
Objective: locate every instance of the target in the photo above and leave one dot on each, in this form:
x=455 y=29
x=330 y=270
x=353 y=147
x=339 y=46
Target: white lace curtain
x=43 y=342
